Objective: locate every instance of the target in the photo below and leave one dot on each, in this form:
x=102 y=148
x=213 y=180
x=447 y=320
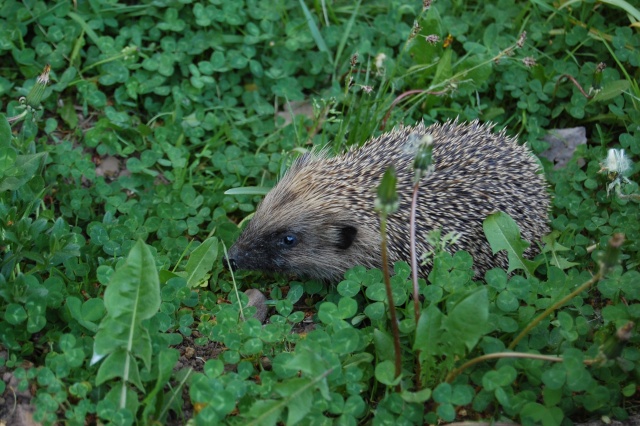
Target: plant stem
x=233 y=279
x=454 y=373
x=392 y=308
x=497 y=355
x=556 y=305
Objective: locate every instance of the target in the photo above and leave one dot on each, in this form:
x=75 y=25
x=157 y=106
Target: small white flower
x=617 y=166
x=380 y=58
x=432 y=38
x=617 y=162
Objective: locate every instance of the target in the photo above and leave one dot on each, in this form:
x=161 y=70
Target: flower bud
x=37 y=91
x=387 y=200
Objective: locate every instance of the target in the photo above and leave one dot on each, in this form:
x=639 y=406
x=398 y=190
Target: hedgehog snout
x=229 y=263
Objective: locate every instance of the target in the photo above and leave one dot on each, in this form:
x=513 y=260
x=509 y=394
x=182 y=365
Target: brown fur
x=326 y=204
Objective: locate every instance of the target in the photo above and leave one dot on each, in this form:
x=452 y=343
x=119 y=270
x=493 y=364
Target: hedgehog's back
x=477 y=172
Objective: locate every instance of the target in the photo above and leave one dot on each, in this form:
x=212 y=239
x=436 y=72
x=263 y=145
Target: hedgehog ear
x=346 y=236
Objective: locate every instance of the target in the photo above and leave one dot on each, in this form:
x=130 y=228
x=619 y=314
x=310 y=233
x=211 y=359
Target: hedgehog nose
x=229 y=263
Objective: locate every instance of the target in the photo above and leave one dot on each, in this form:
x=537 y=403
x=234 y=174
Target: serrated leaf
x=132 y=295
x=112 y=368
x=265 y=412
x=299 y=393
x=562 y=263
x=503 y=233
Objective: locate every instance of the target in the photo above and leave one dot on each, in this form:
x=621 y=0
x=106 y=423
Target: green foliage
x=165 y=122
x=503 y=234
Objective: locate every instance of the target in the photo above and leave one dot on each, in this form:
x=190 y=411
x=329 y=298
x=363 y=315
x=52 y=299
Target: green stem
x=454 y=373
x=18 y=117
x=104 y=61
x=556 y=305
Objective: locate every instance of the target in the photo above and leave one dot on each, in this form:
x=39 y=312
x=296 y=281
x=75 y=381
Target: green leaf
x=416 y=397
x=443 y=70
x=93 y=309
x=8 y=157
x=611 y=90
x=503 y=233
x=347 y=307
x=315 y=32
x=502 y=377
x=384 y=345
x=429 y=331
x=248 y=190
x=386 y=373
x=468 y=321
x=447 y=412
x=265 y=412
x=15 y=314
x=328 y=312
x=299 y=395
x=68 y=114
x=375 y=311
x=555 y=376
x=133 y=295
x=119 y=364
x=201 y=262
x=74 y=305
x=346 y=341
x=463 y=394
x=166 y=361
x=507 y=301
x=24 y=168
x=37 y=319
x=348 y=288
x=213 y=368
x=5 y=132
x=537 y=414
x=442 y=393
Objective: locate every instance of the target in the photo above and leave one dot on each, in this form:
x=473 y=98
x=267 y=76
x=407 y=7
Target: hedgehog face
x=305 y=248
x=309 y=225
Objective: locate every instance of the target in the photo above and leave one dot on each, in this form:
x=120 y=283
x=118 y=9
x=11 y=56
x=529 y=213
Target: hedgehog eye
x=289 y=240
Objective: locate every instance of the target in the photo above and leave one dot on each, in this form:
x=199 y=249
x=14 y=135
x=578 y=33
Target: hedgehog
x=319 y=219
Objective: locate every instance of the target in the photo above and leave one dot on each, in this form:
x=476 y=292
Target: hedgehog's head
x=304 y=226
